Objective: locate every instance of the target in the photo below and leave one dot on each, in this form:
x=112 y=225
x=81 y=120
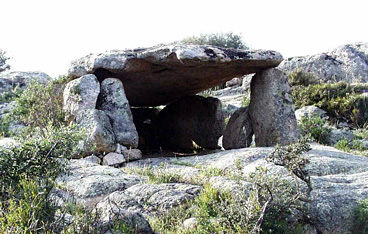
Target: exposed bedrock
x=191 y=119
x=160 y=75
x=272 y=110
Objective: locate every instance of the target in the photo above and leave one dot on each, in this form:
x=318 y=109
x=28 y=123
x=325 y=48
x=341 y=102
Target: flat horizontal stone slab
x=160 y=75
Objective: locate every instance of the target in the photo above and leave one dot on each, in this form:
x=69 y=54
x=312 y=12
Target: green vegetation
x=3 y=61
x=40 y=105
x=265 y=207
x=360 y=218
x=226 y=40
x=341 y=100
x=156 y=175
x=302 y=78
x=315 y=129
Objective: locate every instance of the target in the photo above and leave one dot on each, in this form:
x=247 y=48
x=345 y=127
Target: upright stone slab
x=114 y=103
x=238 y=132
x=191 y=119
x=81 y=94
x=271 y=109
x=99 y=134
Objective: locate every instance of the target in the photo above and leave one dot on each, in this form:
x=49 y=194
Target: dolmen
x=146 y=99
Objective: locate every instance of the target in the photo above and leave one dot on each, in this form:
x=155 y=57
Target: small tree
x=3 y=61
x=226 y=40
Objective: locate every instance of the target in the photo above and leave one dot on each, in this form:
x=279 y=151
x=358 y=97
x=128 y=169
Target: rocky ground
x=338 y=178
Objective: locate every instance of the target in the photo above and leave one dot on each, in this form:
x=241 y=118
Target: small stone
x=132 y=154
x=93 y=159
x=190 y=223
x=113 y=159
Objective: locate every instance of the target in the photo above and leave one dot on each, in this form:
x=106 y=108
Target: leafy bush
x=302 y=78
x=360 y=218
x=3 y=61
x=316 y=129
x=340 y=100
x=10 y=95
x=28 y=172
x=40 y=105
x=226 y=40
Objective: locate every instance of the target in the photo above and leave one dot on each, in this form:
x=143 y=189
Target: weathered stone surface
x=111 y=211
x=310 y=112
x=193 y=118
x=337 y=135
x=163 y=197
x=88 y=183
x=113 y=102
x=338 y=178
x=145 y=120
x=132 y=154
x=346 y=63
x=10 y=80
x=8 y=143
x=238 y=132
x=81 y=94
x=160 y=75
x=271 y=109
x=93 y=159
x=113 y=159
x=99 y=134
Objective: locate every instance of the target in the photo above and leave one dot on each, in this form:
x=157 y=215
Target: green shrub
x=27 y=174
x=40 y=105
x=315 y=129
x=340 y=100
x=360 y=218
x=226 y=40
x=302 y=78
x=10 y=95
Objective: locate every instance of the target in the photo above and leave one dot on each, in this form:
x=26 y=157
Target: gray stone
x=113 y=159
x=92 y=158
x=132 y=154
x=337 y=135
x=234 y=82
x=272 y=110
x=162 y=74
x=110 y=211
x=10 y=80
x=81 y=94
x=238 y=132
x=99 y=134
x=8 y=143
x=114 y=103
x=88 y=183
x=347 y=63
x=163 y=197
x=191 y=119
x=190 y=223
x=310 y=112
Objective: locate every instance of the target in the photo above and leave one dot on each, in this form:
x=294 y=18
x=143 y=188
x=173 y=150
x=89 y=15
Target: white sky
x=45 y=35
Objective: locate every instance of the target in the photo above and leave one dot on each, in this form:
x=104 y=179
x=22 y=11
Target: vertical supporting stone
x=272 y=110
x=114 y=103
x=238 y=132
